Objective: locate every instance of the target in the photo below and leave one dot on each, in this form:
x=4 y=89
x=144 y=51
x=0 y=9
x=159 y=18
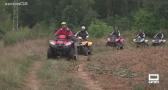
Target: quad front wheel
x=50 y=53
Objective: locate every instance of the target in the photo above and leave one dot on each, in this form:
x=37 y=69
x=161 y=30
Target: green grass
x=26 y=33
x=56 y=75
x=13 y=71
x=17 y=36
x=1 y=44
x=139 y=87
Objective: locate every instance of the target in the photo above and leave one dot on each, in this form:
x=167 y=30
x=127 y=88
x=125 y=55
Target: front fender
x=90 y=43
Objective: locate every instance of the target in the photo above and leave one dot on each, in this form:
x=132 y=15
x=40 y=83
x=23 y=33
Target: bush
x=1 y=33
x=5 y=23
x=98 y=29
x=122 y=22
x=146 y=21
x=42 y=29
x=12 y=37
x=25 y=33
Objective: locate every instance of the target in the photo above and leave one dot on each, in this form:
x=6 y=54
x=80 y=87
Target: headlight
x=52 y=42
x=108 y=39
x=79 y=37
x=146 y=41
x=134 y=40
x=68 y=43
x=164 y=41
x=153 y=40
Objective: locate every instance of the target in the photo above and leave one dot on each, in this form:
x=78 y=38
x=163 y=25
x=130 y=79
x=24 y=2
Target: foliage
x=17 y=36
x=122 y=22
x=98 y=29
x=13 y=71
x=6 y=25
x=150 y=15
x=1 y=33
x=146 y=21
x=26 y=33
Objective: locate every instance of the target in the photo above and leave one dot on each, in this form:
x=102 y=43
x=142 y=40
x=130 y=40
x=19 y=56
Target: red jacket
x=64 y=31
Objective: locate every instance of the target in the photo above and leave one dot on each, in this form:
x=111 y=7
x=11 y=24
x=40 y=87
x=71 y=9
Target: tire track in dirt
x=84 y=75
x=32 y=82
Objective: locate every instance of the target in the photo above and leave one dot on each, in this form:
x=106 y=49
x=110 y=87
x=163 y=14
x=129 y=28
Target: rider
x=64 y=30
x=82 y=33
x=116 y=33
x=159 y=35
x=142 y=35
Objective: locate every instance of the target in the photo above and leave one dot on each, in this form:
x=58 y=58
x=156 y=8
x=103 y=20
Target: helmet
x=83 y=27
x=63 y=23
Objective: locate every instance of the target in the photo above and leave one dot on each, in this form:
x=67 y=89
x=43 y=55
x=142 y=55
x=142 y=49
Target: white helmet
x=63 y=23
x=83 y=27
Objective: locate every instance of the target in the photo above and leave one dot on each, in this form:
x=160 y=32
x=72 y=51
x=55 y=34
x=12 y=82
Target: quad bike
x=113 y=41
x=140 y=42
x=62 y=46
x=157 y=42
x=84 y=46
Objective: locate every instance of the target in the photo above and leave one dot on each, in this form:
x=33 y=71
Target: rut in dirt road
x=84 y=75
x=32 y=82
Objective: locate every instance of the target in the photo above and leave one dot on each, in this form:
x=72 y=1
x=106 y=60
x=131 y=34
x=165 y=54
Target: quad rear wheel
x=86 y=51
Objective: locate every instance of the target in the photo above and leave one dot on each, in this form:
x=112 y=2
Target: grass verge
x=56 y=75
x=13 y=71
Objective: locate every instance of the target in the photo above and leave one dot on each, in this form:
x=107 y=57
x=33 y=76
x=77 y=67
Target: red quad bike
x=62 y=46
x=113 y=41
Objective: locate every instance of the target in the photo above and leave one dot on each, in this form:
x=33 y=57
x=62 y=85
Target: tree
x=146 y=21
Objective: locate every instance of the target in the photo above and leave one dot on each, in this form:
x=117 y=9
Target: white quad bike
x=141 y=42
x=157 y=42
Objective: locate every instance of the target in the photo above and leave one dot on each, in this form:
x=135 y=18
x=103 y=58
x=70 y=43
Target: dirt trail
x=32 y=82
x=84 y=75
